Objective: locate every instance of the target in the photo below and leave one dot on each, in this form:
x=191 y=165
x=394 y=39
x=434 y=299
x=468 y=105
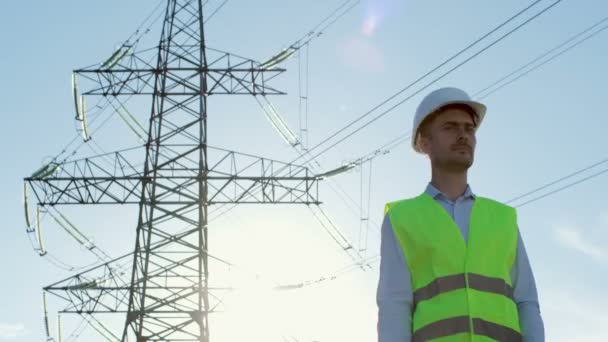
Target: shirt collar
x=434 y=192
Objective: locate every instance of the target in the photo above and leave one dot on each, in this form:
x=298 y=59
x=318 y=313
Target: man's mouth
x=462 y=147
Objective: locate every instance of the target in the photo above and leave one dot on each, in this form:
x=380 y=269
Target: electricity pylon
x=168 y=297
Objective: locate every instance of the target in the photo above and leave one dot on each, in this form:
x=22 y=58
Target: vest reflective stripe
x=490 y=284
x=442 y=328
x=495 y=331
x=440 y=285
x=457 y=325
x=458 y=281
x=453 y=278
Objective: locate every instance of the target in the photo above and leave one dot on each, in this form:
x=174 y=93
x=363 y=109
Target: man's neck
x=452 y=184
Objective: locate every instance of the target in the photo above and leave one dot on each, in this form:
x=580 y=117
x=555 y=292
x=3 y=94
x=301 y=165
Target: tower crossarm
x=233 y=178
x=227 y=74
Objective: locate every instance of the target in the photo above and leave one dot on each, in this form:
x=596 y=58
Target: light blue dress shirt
x=395 y=295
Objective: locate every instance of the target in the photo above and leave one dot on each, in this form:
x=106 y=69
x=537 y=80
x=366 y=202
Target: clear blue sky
x=541 y=127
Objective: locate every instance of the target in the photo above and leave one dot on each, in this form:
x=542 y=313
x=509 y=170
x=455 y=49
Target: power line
x=542 y=56
x=424 y=76
x=100 y=109
x=315 y=31
x=308 y=152
x=421 y=89
x=215 y=11
x=564 y=187
x=571 y=47
x=477 y=41
x=576 y=173
x=138 y=33
x=401 y=139
x=376 y=257
x=404 y=138
x=327 y=22
x=278 y=123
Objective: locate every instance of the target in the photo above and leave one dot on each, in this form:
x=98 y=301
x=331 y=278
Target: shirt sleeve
x=526 y=297
x=394 y=296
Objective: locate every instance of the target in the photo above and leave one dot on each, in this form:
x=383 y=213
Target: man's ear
x=423 y=143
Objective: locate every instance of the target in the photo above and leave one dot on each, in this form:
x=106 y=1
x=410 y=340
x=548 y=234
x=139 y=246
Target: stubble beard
x=454 y=164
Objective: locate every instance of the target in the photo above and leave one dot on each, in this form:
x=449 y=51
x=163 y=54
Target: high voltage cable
x=304 y=140
x=408 y=135
x=281 y=126
x=403 y=138
x=424 y=76
x=418 y=80
x=313 y=33
x=427 y=74
x=140 y=27
x=421 y=78
x=106 y=159
x=419 y=90
x=533 y=4
x=342 y=5
x=77 y=331
x=540 y=57
x=547 y=60
x=564 y=187
x=215 y=11
x=373 y=258
x=324 y=24
x=100 y=109
x=578 y=172
x=316 y=31
x=399 y=138
x=128 y=262
x=594 y=175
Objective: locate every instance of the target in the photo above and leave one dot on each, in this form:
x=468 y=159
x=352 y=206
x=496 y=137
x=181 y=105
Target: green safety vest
x=462 y=290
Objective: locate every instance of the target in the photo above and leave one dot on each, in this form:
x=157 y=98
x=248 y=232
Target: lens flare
x=375 y=12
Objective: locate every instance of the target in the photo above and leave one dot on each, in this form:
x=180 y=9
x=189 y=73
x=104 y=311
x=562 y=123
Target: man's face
x=450 y=140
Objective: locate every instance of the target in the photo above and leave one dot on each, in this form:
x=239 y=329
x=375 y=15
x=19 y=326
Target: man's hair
x=423 y=129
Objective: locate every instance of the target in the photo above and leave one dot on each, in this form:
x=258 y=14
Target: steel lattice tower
x=167 y=297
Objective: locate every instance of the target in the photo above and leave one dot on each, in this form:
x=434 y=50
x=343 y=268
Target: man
x=453 y=265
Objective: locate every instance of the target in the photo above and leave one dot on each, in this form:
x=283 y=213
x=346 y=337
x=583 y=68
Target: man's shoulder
x=403 y=200
x=494 y=203
x=400 y=203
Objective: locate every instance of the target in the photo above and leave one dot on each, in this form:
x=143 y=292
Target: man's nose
x=462 y=134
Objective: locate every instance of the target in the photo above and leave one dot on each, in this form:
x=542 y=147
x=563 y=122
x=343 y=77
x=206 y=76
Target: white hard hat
x=439 y=98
